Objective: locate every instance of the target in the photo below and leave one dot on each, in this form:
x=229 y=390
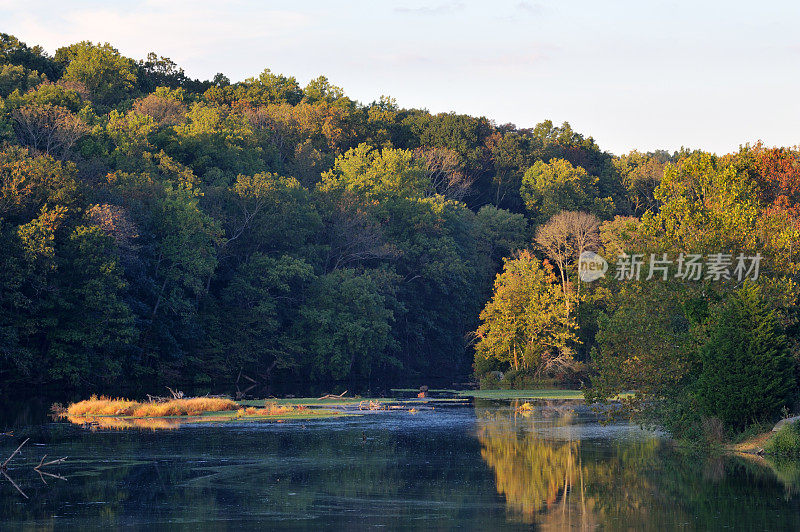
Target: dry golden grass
x=270 y=409
x=104 y=406
x=185 y=407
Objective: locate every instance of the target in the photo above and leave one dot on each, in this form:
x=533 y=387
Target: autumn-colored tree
x=50 y=129
x=526 y=324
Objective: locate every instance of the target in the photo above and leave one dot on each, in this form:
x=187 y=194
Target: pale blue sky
x=633 y=74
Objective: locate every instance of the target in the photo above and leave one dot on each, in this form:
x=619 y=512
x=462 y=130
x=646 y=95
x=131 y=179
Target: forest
x=162 y=230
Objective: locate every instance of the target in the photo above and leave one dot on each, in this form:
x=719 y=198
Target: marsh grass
x=270 y=409
x=105 y=406
x=118 y=414
x=102 y=406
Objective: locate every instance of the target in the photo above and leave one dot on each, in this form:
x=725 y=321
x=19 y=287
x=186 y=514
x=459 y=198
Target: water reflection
x=478 y=467
x=556 y=470
x=119 y=423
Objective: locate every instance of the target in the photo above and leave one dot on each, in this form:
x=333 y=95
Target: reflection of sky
x=633 y=74
x=572 y=422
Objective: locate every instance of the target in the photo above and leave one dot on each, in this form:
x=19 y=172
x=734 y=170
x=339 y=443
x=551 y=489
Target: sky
x=632 y=74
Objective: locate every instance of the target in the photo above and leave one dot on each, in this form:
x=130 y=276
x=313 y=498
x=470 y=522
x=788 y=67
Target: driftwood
x=175 y=394
x=3 y=472
x=38 y=468
x=239 y=393
x=371 y=405
x=3 y=466
x=42 y=464
x=332 y=396
x=156 y=399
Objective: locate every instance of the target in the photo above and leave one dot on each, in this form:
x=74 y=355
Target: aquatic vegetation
x=104 y=406
x=103 y=413
x=185 y=407
x=270 y=409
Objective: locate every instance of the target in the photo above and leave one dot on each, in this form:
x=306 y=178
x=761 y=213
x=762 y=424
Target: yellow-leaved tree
x=526 y=324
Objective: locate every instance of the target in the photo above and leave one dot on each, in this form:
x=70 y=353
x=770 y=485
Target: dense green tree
x=555 y=186
x=259 y=309
x=108 y=75
x=345 y=327
x=33 y=58
x=748 y=373
x=17 y=77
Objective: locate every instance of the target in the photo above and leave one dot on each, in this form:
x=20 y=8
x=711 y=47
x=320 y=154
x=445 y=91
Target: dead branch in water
x=42 y=464
x=156 y=399
x=332 y=396
x=13 y=483
x=38 y=468
x=3 y=467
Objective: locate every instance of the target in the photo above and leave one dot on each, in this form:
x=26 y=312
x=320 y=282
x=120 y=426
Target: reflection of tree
x=638 y=484
x=535 y=475
x=555 y=482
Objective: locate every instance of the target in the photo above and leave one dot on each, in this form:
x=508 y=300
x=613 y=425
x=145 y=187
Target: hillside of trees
x=157 y=229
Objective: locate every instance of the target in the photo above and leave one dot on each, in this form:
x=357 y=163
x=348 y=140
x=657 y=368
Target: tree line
x=162 y=229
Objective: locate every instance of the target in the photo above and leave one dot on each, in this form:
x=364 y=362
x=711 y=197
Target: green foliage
x=372 y=173
x=261 y=306
x=748 y=373
x=17 y=77
x=15 y=52
x=549 y=188
x=106 y=74
x=785 y=442
x=642 y=345
x=500 y=232
x=195 y=230
x=267 y=88
x=345 y=326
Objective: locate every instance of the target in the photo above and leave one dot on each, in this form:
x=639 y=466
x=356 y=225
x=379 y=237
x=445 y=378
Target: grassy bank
x=500 y=395
x=785 y=442
x=108 y=413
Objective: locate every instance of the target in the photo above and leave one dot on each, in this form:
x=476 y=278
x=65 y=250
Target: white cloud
x=186 y=31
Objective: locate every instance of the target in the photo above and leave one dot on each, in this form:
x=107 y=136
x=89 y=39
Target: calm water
x=476 y=467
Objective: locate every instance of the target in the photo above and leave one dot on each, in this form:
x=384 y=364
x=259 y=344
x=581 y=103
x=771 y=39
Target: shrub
x=786 y=441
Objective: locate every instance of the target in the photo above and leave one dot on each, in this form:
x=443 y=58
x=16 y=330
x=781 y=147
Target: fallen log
x=332 y=396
